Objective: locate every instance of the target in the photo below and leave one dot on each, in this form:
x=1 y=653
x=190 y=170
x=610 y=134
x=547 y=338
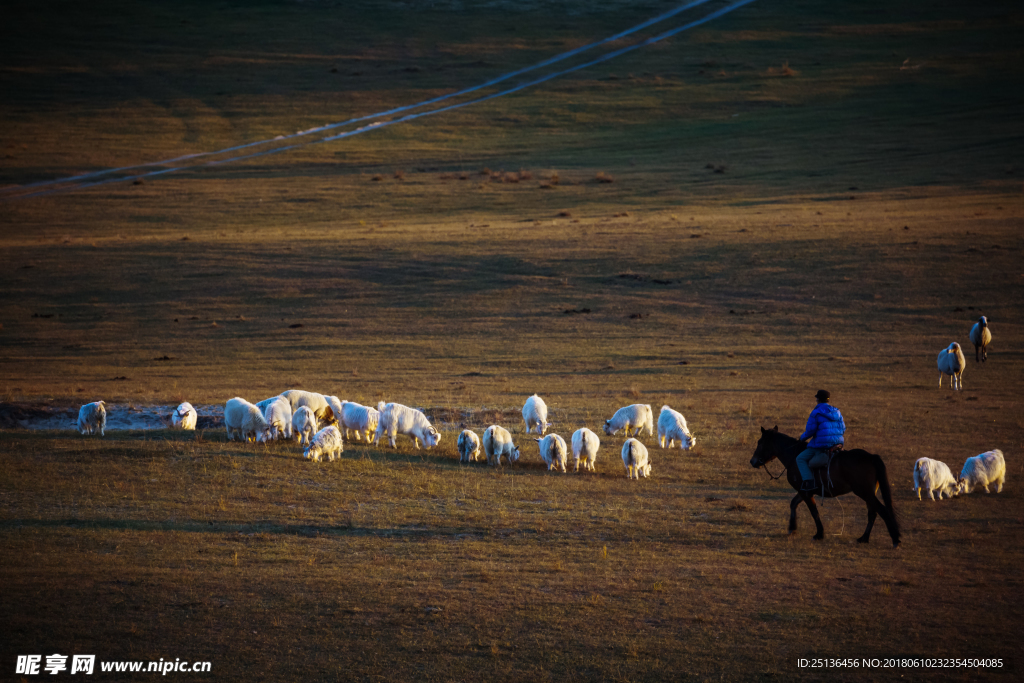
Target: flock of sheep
x=951 y=358
x=297 y=414
x=981 y=470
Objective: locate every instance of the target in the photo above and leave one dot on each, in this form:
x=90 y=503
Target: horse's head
x=766 y=450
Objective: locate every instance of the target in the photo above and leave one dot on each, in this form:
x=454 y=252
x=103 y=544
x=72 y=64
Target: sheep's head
x=312 y=452
x=432 y=438
x=963 y=486
x=689 y=441
x=608 y=428
x=983 y=321
x=957 y=489
x=513 y=455
x=644 y=471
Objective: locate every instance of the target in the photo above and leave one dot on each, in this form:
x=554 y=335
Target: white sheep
x=635 y=458
x=278 y=414
x=497 y=442
x=535 y=414
x=92 y=417
x=553 y=451
x=184 y=417
x=672 y=427
x=981 y=336
x=318 y=403
x=636 y=416
x=399 y=419
x=468 y=445
x=952 y=363
x=933 y=475
x=327 y=442
x=245 y=420
x=984 y=469
x=584 y=445
x=359 y=419
x=304 y=424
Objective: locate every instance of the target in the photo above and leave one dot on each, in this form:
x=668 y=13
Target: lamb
x=468 y=445
x=952 y=363
x=585 y=444
x=672 y=427
x=981 y=337
x=318 y=403
x=636 y=416
x=984 y=469
x=553 y=451
x=303 y=424
x=398 y=419
x=92 y=417
x=327 y=442
x=359 y=419
x=932 y=475
x=535 y=414
x=497 y=442
x=184 y=417
x=245 y=420
x=278 y=414
x=635 y=458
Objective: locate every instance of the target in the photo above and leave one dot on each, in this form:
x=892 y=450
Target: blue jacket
x=825 y=427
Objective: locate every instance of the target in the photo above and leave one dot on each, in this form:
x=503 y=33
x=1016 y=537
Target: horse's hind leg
x=872 y=514
x=792 y=511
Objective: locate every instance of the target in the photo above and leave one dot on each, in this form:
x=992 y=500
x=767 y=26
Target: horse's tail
x=883 y=485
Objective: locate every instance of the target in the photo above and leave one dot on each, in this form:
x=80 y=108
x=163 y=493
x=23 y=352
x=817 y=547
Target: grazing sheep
x=497 y=442
x=398 y=419
x=278 y=414
x=327 y=442
x=92 y=417
x=184 y=417
x=303 y=424
x=535 y=414
x=932 y=475
x=636 y=416
x=359 y=419
x=635 y=458
x=318 y=403
x=585 y=444
x=672 y=427
x=984 y=469
x=981 y=337
x=245 y=420
x=553 y=451
x=952 y=363
x=468 y=445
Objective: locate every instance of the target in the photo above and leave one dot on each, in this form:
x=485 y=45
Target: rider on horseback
x=825 y=429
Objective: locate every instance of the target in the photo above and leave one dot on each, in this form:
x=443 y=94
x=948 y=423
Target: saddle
x=822 y=460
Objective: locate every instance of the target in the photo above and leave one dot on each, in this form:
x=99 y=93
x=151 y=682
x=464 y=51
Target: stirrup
x=808 y=485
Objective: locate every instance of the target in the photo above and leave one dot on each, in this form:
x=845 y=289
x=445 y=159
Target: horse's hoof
x=862 y=540
x=895 y=545
x=818 y=537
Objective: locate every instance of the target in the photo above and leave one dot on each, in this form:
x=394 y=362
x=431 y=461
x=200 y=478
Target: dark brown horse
x=855 y=471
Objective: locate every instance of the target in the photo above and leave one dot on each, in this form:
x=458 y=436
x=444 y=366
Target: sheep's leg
x=940 y=380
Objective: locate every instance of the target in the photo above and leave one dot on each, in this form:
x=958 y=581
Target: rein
x=765 y=466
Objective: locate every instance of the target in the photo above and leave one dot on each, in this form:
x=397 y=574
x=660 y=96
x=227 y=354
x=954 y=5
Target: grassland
x=801 y=197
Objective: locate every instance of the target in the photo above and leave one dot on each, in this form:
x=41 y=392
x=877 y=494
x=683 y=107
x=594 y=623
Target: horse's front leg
x=809 y=499
x=792 y=512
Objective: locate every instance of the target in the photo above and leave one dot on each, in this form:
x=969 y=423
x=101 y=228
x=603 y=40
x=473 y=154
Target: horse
x=854 y=471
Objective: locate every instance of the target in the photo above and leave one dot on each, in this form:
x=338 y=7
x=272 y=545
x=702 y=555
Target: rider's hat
x=822 y=395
